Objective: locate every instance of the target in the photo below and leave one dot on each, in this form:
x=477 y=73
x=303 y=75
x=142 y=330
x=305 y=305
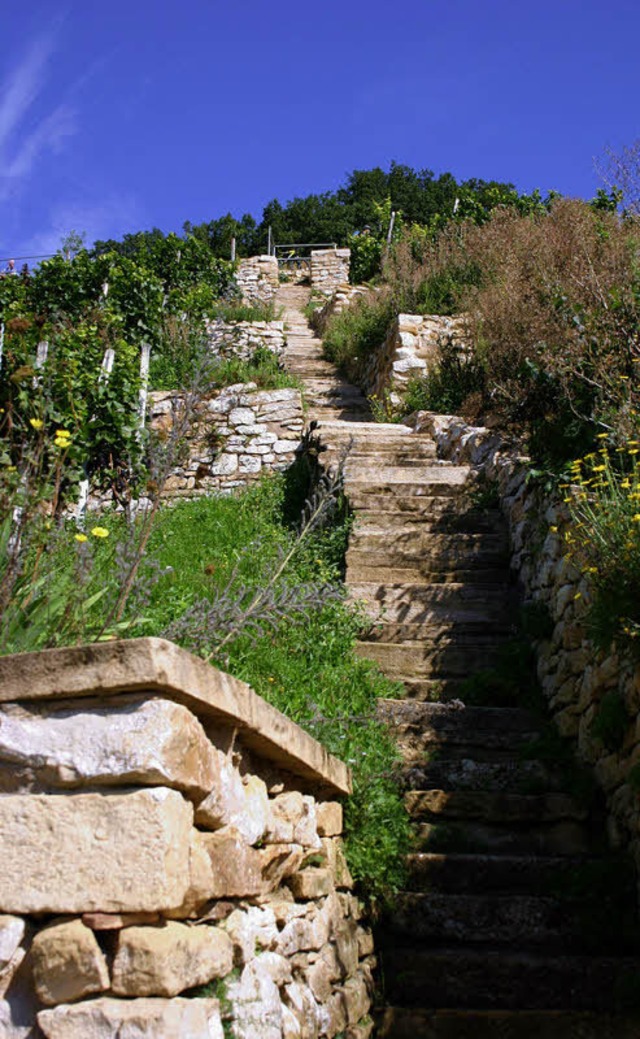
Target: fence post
x=83 y=491
x=144 y=384
x=233 y=250
x=269 y=242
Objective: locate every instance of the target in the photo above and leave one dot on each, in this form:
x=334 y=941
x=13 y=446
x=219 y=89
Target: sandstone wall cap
x=157 y=665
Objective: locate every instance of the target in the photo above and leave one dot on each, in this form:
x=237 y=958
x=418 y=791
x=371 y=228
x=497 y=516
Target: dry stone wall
x=329 y=269
x=257 y=279
x=343 y=296
x=236 y=435
x=574 y=676
x=412 y=345
x=243 y=338
x=162 y=829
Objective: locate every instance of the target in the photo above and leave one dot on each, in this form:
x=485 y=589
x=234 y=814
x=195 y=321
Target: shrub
x=358 y=330
x=603 y=539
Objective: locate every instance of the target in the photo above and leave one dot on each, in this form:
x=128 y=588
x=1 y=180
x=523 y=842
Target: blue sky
x=129 y=114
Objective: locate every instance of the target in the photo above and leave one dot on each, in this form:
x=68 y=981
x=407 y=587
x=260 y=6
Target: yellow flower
x=636 y=518
x=578 y=595
x=602 y=436
x=270 y=679
x=62 y=442
x=63 y=433
x=554 y=530
x=81 y=537
x=37 y=423
x=599 y=468
x=100 y=532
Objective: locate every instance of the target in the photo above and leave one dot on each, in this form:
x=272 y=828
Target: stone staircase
x=503 y=929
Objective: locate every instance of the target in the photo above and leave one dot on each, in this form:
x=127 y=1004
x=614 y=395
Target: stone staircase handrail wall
x=574 y=675
x=157 y=808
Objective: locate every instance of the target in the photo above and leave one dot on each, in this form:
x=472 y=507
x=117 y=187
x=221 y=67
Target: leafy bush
x=448 y=385
x=355 y=332
x=603 y=539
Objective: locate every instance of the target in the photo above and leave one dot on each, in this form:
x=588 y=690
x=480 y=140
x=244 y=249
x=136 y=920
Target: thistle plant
x=209 y=626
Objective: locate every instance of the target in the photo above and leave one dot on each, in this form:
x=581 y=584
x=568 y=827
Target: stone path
x=492 y=937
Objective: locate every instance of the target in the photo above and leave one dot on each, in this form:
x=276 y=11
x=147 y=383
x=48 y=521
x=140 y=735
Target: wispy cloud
x=109 y=217
x=27 y=133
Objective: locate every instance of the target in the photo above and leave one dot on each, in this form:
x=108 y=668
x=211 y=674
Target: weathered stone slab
x=67 y=963
x=167 y=960
x=106 y=1018
x=12 y=932
x=329 y=817
x=153 y=664
x=293 y=820
x=238 y=870
x=232 y=802
x=149 y=741
x=81 y=853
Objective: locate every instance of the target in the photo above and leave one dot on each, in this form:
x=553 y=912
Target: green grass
x=357 y=331
x=307 y=669
x=170 y=371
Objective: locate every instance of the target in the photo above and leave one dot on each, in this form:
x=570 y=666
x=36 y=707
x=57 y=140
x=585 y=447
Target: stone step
x=416 y=541
x=481 y=979
x=363 y=569
x=455 y=720
x=429 y=661
x=495 y=808
x=448 y=598
x=436 y=479
x=386 y=604
x=415 y=1023
x=449 y=521
x=523 y=920
x=481 y=631
x=470 y=837
x=506 y=874
x=430 y=690
x=517 y=777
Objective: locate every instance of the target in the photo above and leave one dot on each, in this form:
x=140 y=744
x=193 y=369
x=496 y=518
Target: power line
x=40 y=256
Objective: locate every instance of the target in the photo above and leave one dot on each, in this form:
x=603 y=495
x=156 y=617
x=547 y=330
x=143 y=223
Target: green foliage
x=307 y=669
x=611 y=721
x=447 y=385
x=357 y=331
x=604 y=540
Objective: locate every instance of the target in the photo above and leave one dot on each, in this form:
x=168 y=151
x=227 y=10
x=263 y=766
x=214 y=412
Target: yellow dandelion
x=37 y=423
x=100 y=532
x=81 y=537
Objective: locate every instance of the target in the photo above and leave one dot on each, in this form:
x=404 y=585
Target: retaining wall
x=257 y=278
x=236 y=435
x=242 y=338
x=574 y=675
x=329 y=269
x=412 y=345
x=162 y=828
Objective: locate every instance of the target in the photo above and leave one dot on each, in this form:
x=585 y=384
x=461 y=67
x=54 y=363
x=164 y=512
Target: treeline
x=335 y=216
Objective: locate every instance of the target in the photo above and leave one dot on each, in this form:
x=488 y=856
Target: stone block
x=311 y=883
x=238 y=870
x=167 y=960
x=106 y=1018
x=250 y=930
x=12 y=933
x=68 y=963
x=293 y=820
x=235 y=801
x=329 y=818
x=133 y=741
x=94 y=852
x=257 y=1007
x=224 y=465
